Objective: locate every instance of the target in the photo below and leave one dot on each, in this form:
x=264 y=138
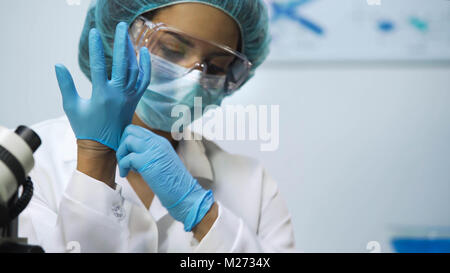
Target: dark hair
x=151 y=14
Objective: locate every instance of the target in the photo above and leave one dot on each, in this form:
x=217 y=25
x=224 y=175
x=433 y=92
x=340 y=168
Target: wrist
x=205 y=225
x=97 y=161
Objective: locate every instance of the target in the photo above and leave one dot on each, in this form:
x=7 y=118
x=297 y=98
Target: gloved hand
x=157 y=162
x=110 y=109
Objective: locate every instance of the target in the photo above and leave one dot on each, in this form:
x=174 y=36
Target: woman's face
x=201 y=21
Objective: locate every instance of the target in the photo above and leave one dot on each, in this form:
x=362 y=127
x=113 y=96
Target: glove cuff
x=199 y=210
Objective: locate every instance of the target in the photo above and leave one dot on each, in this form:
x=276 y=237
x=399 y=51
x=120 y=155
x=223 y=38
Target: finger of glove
x=145 y=71
x=129 y=144
x=126 y=164
x=66 y=85
x=97 y=58
x=133 y=69
x=139 y=132
x=120 y=61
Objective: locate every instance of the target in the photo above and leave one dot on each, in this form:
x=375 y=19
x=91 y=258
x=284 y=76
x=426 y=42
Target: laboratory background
x=363 y=88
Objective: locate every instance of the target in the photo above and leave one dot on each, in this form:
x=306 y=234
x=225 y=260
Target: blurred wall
x=362 y=146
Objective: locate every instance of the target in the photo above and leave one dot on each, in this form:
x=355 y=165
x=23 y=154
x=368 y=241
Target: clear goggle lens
x=222 y=67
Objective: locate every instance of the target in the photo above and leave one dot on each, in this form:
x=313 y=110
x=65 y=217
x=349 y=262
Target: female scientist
x=111 y=177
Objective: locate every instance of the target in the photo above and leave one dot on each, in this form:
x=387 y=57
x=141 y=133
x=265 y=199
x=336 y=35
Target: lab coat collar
x=192 y=152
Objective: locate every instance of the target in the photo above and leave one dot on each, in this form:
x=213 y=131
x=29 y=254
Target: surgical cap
x=250 y=15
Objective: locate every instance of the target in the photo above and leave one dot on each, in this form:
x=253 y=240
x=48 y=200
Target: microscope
x=16 y=161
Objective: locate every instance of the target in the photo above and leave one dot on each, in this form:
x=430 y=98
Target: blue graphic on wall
x=353 y=30
x=290 y=10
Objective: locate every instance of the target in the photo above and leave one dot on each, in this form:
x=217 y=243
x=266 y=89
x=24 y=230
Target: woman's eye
x=172 y=54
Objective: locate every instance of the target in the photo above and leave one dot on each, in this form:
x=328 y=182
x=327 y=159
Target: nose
x=194 y=62
x=200 y=66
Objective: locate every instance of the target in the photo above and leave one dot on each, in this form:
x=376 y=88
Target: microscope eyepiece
x=30 y=137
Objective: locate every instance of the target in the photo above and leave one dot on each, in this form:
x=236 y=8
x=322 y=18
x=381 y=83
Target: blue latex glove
x=157 y=162
x=110 y=109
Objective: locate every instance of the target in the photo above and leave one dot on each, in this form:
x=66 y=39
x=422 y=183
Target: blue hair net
x=250 y=15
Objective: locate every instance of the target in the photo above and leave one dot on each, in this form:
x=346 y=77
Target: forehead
x=202 y=21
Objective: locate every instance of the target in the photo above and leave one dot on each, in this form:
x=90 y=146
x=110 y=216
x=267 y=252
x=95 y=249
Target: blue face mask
x=173 y=85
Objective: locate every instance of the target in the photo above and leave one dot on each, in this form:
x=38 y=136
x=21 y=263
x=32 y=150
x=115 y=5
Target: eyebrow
x=181 y=39
x=190 y=44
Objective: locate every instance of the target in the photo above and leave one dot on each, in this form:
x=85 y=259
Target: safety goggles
x=221 y=67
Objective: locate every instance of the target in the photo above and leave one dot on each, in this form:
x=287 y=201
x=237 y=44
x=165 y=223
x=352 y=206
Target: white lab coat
x=72 y=211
